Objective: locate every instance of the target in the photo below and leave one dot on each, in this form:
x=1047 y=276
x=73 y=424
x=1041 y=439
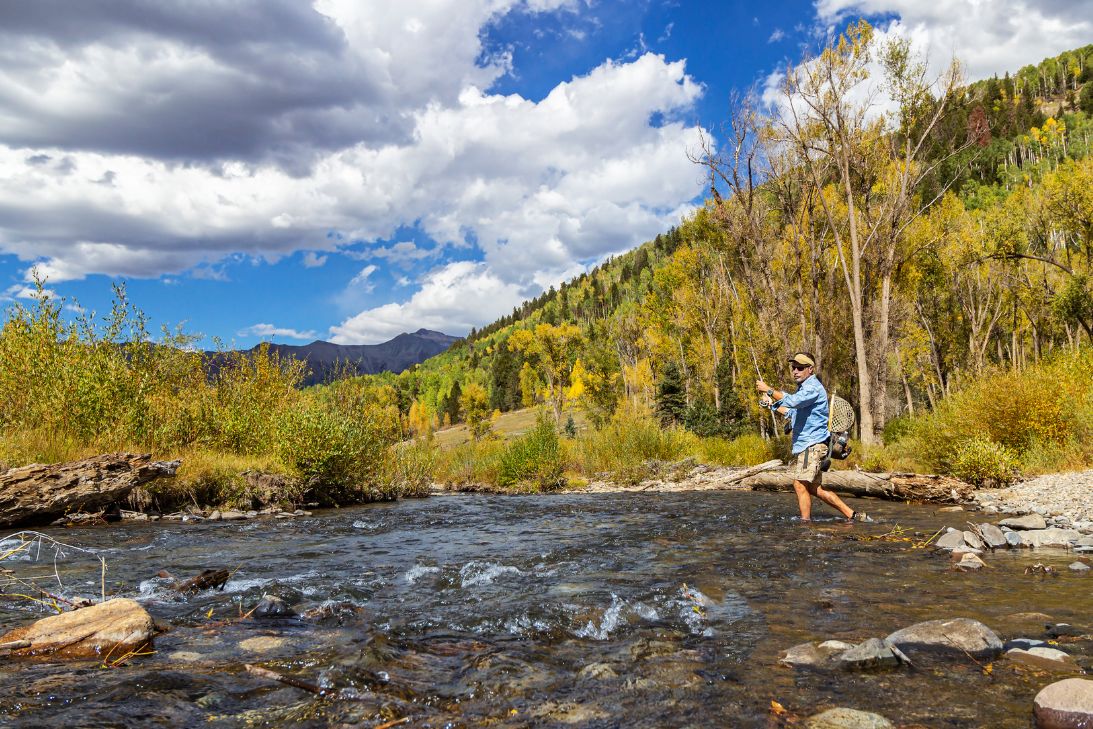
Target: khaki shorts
x=809 y=462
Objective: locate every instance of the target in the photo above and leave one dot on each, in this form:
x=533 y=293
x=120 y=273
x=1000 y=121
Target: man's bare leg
x=804 y=499
x=832 y=500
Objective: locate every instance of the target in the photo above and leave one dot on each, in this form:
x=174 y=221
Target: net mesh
x=842 y=415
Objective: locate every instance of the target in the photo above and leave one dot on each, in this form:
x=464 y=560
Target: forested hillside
x=911 y=251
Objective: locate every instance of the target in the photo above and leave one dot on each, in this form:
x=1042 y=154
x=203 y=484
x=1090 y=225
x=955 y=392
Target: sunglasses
x=796 y=366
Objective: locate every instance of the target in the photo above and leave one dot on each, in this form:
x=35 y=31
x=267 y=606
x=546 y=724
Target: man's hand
x=765 y=401
x=761 y=386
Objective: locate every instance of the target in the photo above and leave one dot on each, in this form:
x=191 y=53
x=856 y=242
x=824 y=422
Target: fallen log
x=208 y=580
x=892 y=486
x=41 y=493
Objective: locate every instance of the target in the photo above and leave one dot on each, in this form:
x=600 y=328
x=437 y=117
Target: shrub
x=409 y=467
x=339 y=455
x=745 y=450
x=534 y=459
x=632 y=438
x=981 y=461
x=1039 y=408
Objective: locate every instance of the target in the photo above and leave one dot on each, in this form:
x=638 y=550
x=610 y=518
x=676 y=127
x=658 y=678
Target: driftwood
x=41 y=493
x=892 y=486
x=207 y=580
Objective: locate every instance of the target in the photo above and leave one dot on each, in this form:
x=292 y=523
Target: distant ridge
x=325 y=358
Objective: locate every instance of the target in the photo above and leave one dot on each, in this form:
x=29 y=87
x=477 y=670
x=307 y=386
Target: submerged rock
x=1066 y=704
x=1044 y=658
x=115 y=628
x=957 y=635
x=872 y=653
x=812 y=655
x=1079 y=566
x=848 y=719
x=1029 y=521
x=596 y=672
x=969 y=561
x=271 y=606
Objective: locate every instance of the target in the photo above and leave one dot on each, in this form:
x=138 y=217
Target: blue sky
x=350 y=170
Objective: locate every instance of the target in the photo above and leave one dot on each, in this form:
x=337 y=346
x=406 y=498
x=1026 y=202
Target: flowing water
x=616 y=610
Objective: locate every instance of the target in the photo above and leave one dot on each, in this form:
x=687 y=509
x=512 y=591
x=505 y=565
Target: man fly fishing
x=808 y=412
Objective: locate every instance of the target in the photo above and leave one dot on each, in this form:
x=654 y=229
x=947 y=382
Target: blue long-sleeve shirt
x=809 y=412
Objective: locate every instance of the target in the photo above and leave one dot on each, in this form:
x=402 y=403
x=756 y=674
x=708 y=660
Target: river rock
x=956 y=635
x=1029 y=521
x=262 y=644
x=1079 y=566
x=950 y=540
x=1066 y=704
x=972 y=540
x=1043 y=658
x=596 y=672
x=271 y=606
x=1013 y=539
x=835 y=646
x=1050 y=537
x=847 y=719
x=871 y=653
x=114 y=628
x=992 y=535
x=807 y=655
x=969 y=562
x=232 y=516
x=961 y=551
x=1023 y=643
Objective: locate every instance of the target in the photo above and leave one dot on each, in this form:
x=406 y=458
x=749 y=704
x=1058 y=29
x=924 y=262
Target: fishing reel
x=840 y=445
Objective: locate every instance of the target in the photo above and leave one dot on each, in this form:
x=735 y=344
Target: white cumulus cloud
x=269 y=331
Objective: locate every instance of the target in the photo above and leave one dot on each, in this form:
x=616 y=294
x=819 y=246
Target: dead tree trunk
x=40 y=493
x=891 y=486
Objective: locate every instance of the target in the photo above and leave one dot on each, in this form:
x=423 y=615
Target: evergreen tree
x=671 y=400
x=732 y=417
x=451 y=405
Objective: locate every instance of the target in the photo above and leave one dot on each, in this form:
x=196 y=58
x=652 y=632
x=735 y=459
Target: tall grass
x=72 y=388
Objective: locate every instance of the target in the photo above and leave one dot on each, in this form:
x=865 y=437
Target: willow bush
x=73 y=388
x=1039 y=419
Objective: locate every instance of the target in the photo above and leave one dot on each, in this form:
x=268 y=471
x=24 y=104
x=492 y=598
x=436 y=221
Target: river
x=619 y=610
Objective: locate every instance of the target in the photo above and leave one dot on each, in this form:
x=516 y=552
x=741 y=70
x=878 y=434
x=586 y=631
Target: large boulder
x=842 y=718
x=1029 y=521
x=957 y=635
x=1051 y=537
x=1066 y=704
x=992 y=535
x=112 y=628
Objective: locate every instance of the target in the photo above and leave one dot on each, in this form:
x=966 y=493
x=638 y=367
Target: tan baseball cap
x=803 y=358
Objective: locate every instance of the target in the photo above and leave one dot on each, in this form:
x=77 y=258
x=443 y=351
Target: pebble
x=1079 y=567
x=262 y=644
x=1066 y=704
x=1055 y=495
